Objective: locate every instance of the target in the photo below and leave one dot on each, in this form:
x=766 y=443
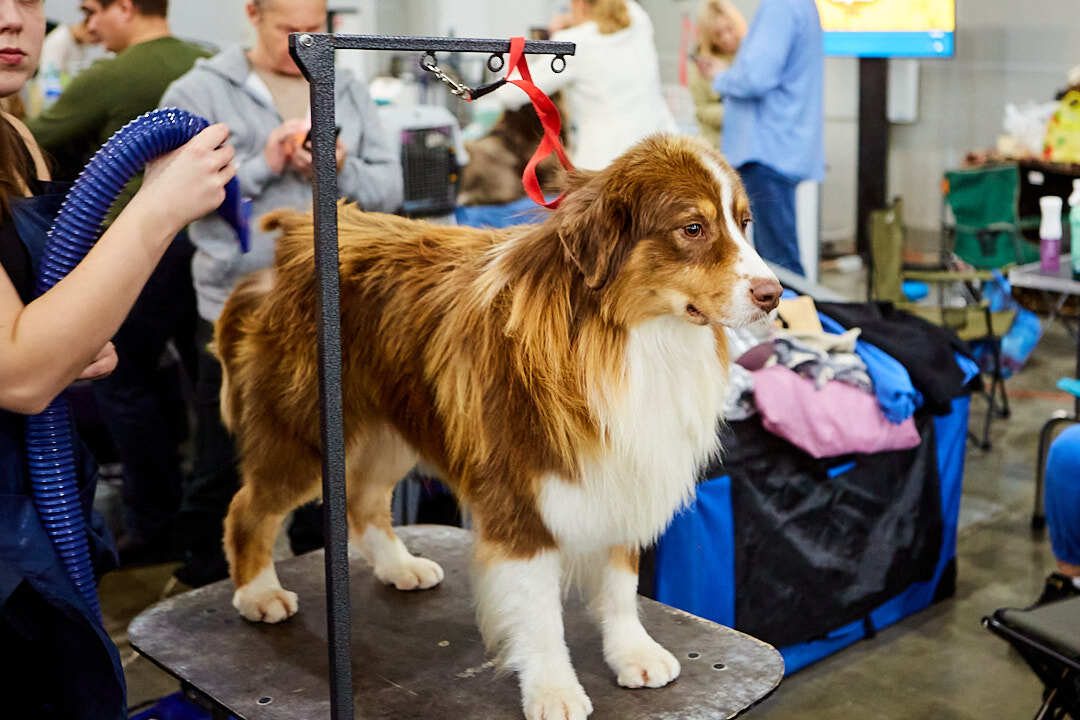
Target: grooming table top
x=419 y=655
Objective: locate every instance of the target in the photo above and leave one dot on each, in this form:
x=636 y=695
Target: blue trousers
x=772 y=201
x=1063 y=495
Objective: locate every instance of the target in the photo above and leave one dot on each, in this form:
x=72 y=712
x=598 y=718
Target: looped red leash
x=549 y=119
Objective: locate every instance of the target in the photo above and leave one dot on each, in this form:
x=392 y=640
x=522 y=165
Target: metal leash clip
x=428 y=63
x=495 y=64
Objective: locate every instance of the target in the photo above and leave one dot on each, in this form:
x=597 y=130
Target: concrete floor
x=939 y=663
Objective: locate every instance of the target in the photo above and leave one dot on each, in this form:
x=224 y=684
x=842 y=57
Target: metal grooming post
x=314 y=55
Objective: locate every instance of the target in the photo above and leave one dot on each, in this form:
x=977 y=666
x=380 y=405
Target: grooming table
x=419 y=654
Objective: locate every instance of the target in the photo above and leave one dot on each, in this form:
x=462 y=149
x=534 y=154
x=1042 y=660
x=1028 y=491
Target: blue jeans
x=1063 y=495
x=772 y=201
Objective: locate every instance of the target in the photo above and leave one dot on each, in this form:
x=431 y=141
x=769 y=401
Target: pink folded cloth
x=836 y=420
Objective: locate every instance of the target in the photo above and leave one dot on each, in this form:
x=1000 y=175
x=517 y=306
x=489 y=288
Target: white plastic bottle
x=1050 y=234
x=1074 y=229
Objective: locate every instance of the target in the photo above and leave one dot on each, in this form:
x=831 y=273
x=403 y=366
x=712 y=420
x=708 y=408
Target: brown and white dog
x=565 y=378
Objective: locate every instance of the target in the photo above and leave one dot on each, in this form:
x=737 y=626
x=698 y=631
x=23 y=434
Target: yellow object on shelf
x=1063 y=133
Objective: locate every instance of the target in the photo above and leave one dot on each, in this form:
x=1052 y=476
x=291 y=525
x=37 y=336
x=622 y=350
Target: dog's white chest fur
x=660 y=427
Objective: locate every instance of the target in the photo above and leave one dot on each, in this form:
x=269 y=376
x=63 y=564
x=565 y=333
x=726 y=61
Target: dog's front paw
x=270 y=605
x=413 y=574
x=556 y=703
x=644 y=664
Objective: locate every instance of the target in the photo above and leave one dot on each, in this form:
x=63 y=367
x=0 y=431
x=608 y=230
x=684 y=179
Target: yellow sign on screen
x=888 y=15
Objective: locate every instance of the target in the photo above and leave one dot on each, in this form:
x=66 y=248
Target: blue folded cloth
x=969 y=367
x=895 y=392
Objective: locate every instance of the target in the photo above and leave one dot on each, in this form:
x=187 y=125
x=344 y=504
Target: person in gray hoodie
x=262 y=97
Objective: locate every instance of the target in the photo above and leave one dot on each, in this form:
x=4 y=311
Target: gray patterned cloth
x=739 y=401
x=822 y=357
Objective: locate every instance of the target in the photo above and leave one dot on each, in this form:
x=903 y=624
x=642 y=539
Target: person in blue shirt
x=774 y=119
x=1063 y=516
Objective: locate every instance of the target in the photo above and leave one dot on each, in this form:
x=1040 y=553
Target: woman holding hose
x=61 y=662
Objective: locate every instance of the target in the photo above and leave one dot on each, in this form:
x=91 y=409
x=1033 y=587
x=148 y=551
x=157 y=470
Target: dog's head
x=661 y=231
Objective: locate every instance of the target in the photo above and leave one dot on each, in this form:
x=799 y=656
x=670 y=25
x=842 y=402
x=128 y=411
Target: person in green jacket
x=139 y=404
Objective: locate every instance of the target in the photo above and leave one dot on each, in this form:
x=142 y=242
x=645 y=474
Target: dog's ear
x=595 y=228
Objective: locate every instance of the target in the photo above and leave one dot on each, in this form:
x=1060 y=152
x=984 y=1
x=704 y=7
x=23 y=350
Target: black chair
x=1048 y=638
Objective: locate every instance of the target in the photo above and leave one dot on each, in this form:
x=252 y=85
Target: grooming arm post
x=314 y=55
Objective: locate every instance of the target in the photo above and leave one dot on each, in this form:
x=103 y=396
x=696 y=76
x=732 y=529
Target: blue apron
x=67 y=667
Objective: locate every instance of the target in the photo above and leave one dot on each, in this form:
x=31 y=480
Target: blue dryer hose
x=50 y=446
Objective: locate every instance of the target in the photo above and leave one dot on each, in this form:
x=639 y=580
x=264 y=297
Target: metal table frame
x=314 y=55
x=1030 y=276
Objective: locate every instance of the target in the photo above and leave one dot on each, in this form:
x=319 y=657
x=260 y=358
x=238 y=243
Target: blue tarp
x=695 y=559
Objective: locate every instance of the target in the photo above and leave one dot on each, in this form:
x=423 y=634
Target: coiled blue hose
x=50 y=448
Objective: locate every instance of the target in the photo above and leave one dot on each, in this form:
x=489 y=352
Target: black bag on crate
x=821 y=543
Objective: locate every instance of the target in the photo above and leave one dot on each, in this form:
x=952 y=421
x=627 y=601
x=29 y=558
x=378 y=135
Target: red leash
x=549 y=119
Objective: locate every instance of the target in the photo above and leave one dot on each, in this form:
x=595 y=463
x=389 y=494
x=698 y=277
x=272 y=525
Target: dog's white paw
x=556 y=703
x=645 y=664
x=413 y=574
x=269 y=605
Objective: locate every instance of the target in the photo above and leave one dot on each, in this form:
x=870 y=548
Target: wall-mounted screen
x=889 y=28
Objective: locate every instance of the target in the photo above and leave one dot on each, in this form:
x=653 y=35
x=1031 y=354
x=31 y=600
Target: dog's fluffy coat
x=565 y=379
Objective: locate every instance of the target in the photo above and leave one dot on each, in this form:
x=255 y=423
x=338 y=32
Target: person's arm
x=370 y=174
x=77 y=115
x=762 y=55
x=58 y=337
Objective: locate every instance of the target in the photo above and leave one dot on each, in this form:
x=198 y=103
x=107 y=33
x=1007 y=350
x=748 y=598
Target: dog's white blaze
x=749 y=267
x=660 y=427
x=750 y=264
x=519 y=606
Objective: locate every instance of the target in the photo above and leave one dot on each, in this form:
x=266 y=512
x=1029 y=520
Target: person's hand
x=339 y=154
x=188 y=182
x=300 y=161
x=282 y=143
x=103 y=364
x=710 y=66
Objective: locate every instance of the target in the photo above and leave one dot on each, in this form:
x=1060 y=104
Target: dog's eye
x=745 y=224
x=693 y=230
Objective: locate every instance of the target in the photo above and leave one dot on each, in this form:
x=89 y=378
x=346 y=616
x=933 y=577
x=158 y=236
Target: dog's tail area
x=230 y=332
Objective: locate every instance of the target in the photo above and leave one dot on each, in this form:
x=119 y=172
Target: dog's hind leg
x=637 y=659
x=377 y=461
x=277 y=477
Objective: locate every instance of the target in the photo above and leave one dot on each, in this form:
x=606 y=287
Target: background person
x=774 y=118
x=262 y=97
x=610 y=87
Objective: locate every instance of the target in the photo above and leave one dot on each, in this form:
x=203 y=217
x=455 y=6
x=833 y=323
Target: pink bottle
x=1050 y=234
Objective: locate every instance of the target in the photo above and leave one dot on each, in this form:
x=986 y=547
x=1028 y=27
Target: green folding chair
x=985 y=201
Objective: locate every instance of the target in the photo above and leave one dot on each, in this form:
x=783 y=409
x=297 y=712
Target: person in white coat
x=611 y=85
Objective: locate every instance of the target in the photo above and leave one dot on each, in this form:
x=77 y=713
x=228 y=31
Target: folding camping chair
x=890 y=280
x=1048 y=638
x=985 y=205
